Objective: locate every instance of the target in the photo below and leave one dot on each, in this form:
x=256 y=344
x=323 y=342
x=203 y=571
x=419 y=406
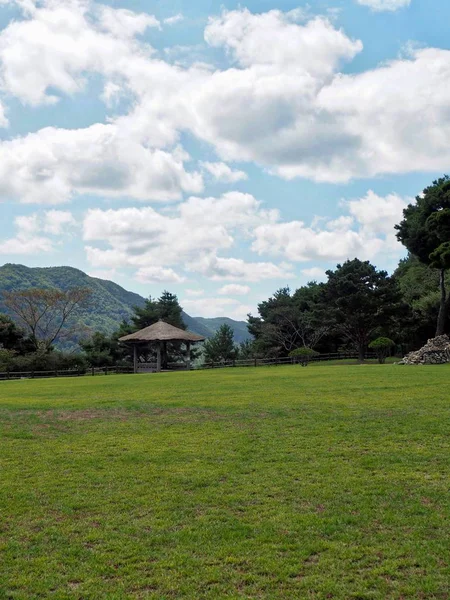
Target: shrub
x=382 y=347
x=303 y=355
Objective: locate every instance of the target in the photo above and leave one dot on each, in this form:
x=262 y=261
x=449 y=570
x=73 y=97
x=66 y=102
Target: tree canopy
x=221 y=347
x=425 y=232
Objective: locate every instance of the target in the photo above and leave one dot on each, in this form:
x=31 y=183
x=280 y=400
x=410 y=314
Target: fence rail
x=65 y=373
x=116 y=370
x=266 y=362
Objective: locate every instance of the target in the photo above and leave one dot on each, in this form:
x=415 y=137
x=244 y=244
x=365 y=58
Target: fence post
x=106 y=370
x=255 y=362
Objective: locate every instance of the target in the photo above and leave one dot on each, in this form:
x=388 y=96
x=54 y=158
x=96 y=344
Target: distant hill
x=110 y=303
x=239 y=328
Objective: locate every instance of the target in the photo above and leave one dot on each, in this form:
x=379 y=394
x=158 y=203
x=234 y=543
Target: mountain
x=110 y=303
x=239 y=328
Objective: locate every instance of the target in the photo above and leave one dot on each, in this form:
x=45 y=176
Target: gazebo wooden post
x=135 y=358
x=158 y=357
x=188 y=356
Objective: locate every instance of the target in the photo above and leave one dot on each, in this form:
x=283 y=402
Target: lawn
x=278 y=482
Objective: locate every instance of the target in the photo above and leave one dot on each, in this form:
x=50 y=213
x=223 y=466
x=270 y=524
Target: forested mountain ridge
x=109 y=305
x=240 y=330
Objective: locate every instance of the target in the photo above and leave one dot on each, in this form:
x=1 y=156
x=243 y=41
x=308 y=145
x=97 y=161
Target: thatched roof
x=162 y=332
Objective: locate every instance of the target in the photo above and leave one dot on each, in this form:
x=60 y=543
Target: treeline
x=357 y=308
x=357 y=305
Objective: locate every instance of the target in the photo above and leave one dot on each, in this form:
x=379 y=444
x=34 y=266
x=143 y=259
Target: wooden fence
x=102 y=371
x=267 y=362
x=65 y=373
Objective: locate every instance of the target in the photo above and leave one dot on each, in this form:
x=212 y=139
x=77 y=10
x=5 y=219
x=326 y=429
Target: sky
x=217 y=149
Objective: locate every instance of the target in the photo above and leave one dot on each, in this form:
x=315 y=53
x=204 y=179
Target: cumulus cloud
x=236 y=269
x=158 y=275
x=217 y=307
x=366 y=232
x=29 y=229
x=124 y=23
x=385 y=5
x=57 y=222
x=315 y=47
x=284 y=105
x=314 y=274
x=191 y=235
x=222 y=172
x=234 y=289
x=51 y=165
x=194 y=293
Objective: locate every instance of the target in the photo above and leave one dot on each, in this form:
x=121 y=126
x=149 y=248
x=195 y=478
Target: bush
x=46 y=361
x=303 y=355
x=382 y=347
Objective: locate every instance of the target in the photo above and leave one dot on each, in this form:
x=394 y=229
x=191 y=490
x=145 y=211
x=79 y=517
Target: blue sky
x=220 y=150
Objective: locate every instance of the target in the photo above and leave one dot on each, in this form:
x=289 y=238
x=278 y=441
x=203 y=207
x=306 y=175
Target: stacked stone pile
x=435 y=352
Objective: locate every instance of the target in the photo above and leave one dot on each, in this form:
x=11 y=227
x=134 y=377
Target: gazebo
x=159 y=334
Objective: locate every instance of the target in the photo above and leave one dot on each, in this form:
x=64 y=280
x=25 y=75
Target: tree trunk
x=443 y=309
x=361 y=353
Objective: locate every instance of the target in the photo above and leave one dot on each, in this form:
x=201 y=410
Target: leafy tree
x=360 y=299
x=303 y=355
x=425 y=231
x=220 y=347
x=146 y=315
x=11 y=337
x=247 y=350
x=382 y=347
x=419 y=289
x=101 y=350
x=46 y=313
x=287 y=321
x=167 y=308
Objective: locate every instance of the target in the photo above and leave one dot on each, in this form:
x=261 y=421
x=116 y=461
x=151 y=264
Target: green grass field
x=281 y=482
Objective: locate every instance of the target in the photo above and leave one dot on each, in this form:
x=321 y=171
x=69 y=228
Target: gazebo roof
x=162 y=332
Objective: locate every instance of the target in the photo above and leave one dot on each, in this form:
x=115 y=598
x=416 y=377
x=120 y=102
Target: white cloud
x=366 y=232
x=315 y=47
x=57 y=222
x=283 y=105
x=61 y=41
x=385 y=5
x=3 y=118
x=51 y=165
x=174 y=20
x=194 y=293
x=199 y=226
x=124 y=23
x=236 y=269
x=377 y=214
x=217 y=307
x=27 y=240
x=234 y=289
x=190 y=236
x=158 y=275
x=222 y=172
x=314 y=274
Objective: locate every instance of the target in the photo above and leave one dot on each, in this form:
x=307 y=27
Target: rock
x=435 y=352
